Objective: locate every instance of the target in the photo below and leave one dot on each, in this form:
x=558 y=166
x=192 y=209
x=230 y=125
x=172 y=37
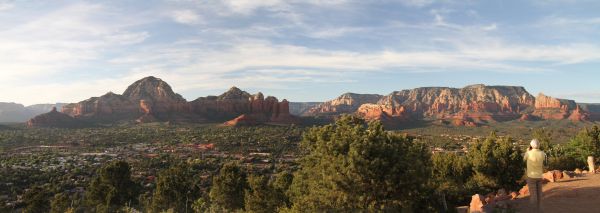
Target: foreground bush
x=352 y=167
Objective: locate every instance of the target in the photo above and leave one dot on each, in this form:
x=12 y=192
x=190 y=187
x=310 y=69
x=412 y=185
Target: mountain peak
x=152 y=89
x=234 y=93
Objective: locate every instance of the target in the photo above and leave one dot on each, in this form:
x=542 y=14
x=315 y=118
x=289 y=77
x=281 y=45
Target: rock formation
x=469 y=106
x=151 y=99
x=547 y=107
x=54 y=119
x=346 y=103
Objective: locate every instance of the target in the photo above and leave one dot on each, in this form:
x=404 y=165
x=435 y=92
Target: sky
x=301 y=50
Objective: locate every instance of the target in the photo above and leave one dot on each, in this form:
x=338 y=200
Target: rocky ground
x=579 y=194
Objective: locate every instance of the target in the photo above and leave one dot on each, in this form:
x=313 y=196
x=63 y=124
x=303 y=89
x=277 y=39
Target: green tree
x=260 y=196
x=545 y=138
x=175 y=187
x=450 y=173
x=281 y=184
x=60 y=203
x=112 y=188
x=351 y=167
x=585 y=143
x=227 y=191
x=36 y=200
x=497 y=163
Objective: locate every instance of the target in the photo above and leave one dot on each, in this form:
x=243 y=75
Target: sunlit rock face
x=469 y=106
x=151 y=99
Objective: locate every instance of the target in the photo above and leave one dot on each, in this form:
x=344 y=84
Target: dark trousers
x=535 y=193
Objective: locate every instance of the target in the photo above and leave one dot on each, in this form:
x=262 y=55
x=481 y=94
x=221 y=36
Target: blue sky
x=309 y=50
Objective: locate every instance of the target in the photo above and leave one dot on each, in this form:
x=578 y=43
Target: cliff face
x=464 y=106
x=54 y=119
x=346 y=103
x=151 y=99
x=442 y=101
x=547 y=107
x=469 y=106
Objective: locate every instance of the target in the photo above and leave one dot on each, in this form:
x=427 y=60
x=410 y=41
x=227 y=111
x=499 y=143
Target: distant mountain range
x=473 y=105
x=18 y=113
x=151 y=99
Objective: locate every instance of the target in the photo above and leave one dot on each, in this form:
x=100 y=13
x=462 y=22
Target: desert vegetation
x=349 y=165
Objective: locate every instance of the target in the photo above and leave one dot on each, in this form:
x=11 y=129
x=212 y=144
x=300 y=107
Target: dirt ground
x=579 y=194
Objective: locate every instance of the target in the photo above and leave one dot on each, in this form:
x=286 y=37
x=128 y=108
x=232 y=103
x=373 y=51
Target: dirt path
x=579 y=194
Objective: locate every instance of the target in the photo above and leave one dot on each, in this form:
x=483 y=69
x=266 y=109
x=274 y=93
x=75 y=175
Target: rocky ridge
x=151 y=99
x=472 y=105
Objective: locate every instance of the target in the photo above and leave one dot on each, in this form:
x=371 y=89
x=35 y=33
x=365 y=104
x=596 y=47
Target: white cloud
x=6 y=6
x=68 y=37
x=248 y=6
x=417 y=3
x=185 y=17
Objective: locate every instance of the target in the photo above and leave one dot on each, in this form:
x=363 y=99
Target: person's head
x=535 y=144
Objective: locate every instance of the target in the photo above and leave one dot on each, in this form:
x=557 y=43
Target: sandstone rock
x=514 y=195
x=54 y=119
x=591 y=164
x=549 y=176
x=346 y=103
x=578 y=171
x=151 y=99
x=546 y=102
x=524 y=191
x=557 y=174
x=242 y=120
x=548 y=107
x=477 y=204
x=578 y=115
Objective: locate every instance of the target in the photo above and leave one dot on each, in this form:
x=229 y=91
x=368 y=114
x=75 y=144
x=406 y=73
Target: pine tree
x=175 y=187
x=227 y=191
x=112 y=188
x=352 y=167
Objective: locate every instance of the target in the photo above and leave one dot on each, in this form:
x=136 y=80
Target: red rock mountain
x=151 y=99
x=345 y=103
x=469 y=106
x=54 y=119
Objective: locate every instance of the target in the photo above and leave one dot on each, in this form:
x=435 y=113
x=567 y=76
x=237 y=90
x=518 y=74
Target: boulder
x=524 y=191
x=591 y=165
x=514 y=195
x=549 y=177
x=578 y=171
x=477 y=204
x=557 y=174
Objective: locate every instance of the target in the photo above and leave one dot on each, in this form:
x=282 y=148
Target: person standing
x=535 y=169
